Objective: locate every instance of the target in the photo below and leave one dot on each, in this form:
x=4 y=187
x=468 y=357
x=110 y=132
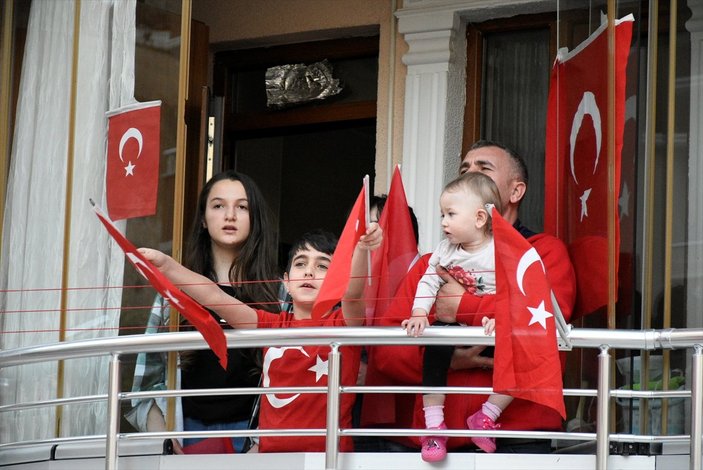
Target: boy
x=308 y=262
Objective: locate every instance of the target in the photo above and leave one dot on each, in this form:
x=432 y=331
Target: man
x=403 y=365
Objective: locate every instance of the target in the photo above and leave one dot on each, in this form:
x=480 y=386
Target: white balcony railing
x=604 y=340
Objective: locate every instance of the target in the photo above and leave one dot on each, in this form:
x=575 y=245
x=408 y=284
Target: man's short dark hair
x=519 y=164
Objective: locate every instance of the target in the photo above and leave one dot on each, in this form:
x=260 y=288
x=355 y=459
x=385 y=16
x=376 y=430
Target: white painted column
x=434 y=108
x=694 y=303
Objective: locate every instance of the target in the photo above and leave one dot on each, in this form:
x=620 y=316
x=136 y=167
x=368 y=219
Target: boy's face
x=307 y=270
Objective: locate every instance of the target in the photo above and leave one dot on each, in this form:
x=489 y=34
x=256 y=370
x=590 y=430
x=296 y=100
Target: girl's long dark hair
x=257 y=258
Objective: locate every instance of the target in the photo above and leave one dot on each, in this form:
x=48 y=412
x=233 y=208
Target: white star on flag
x=172 y=298
x=584 y=203
x=129 y=169
x=320 y=368
x=539 y=315
x=624 y=201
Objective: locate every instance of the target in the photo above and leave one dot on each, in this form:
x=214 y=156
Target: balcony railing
x=604 y=340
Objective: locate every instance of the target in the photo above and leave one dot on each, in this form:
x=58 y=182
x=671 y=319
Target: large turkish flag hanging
x=132 y=177
x=576 y=162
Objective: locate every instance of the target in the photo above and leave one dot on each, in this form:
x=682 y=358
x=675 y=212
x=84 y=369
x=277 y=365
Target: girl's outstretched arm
x=353 y=303
x=203 y=290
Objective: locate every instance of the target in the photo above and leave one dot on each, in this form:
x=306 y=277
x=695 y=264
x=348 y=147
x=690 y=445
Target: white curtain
x=33 y=229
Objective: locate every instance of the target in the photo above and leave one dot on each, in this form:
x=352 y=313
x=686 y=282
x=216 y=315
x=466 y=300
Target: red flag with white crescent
x=526 y=363
x=132 y=175
x=576 y=162
x=189 y=308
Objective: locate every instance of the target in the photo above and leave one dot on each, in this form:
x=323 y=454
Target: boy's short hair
x=320 y=240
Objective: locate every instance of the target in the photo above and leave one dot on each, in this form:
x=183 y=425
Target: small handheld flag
x=189 y=308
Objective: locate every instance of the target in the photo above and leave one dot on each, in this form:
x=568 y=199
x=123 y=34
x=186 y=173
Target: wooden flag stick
x=367 y=216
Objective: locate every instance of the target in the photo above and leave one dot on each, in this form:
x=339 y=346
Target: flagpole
x=178 y=194
x=5 y=93
x=65 y=270
x=562 y=327
x=612 y=249
x=668 y=225
x=367 y=216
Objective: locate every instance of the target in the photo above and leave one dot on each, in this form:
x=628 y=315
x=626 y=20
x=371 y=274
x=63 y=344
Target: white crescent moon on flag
x=131 y=133
x=588 y=106
x=271 y=355
x=530 y=256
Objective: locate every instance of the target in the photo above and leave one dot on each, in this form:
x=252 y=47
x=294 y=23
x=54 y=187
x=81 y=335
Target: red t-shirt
x=402 y=365
x=302 y=366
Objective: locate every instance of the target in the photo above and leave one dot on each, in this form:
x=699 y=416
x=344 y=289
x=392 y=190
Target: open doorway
x=309 y=158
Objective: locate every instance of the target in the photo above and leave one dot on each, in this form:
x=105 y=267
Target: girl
x=232 y=244
x=467 y=253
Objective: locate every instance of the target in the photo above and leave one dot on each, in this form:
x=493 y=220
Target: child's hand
x=416 y=324
x=489 y=325
x=158 y=259
x=372 y=238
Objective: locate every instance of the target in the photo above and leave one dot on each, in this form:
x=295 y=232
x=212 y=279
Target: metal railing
x=605 y=340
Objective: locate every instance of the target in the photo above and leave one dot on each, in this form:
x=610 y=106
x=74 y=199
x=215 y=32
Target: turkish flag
x=132 y=175
x=337 y=279
x=189 y=308
x=526 y=363
x=398 y=251
x=576 y=162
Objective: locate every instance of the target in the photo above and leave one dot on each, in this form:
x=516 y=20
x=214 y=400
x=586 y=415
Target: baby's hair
x=320 y=240
x=480 y=185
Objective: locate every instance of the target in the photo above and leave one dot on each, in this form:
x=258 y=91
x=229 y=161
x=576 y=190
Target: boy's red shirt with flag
x=132 y=175
x=337 y=278
x=526 y=363
x=303 y=366
x=189 y=308
x=576 y=158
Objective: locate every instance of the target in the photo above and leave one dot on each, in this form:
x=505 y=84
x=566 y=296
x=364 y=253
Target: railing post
x=603 y=423
x=333 y=375
x=696 y=407
x=113 y=413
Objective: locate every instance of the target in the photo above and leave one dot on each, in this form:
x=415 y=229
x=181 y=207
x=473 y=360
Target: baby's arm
x=203 y=290
x=416 y=324
x=353 y=303
x=425 y=295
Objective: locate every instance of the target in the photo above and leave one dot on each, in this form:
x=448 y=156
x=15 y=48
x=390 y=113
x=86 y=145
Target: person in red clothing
x=403 y=364
x=308 y=262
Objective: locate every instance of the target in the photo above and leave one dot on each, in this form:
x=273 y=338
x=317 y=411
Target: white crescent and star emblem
x=320 y=368
x=539 y=313
x=587 y=106
x=131 y=133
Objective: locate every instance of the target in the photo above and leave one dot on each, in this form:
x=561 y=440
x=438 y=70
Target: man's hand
x=448 y=297
x=470 y=358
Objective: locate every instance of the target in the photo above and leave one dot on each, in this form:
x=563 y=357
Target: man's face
x=494 y=163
